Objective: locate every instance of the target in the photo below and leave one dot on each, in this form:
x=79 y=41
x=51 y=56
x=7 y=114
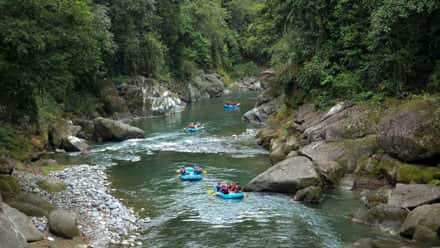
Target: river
x=183 y=214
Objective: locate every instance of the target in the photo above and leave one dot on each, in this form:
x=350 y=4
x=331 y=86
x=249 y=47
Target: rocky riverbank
x=102 y=219
x=388 y=153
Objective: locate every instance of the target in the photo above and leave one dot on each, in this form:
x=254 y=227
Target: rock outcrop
x=202 y=86
x=63 y=223
x=412 y=132
x=247 y=84
x=62 y=135
x=288 y=176
x=414 y=195
x=261 y=113
x=111 y=130
x=148 y=97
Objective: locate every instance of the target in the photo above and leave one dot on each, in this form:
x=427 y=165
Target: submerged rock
x=423 y=224
x=63 y=223
x=311 y=194
x=110 y=130
x=412 y=132
x=288 y=176
x=414 y=195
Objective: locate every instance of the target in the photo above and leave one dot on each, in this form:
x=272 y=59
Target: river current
x=143 y=175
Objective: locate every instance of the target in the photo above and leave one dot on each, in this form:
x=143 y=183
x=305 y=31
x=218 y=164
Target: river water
x=183 y=214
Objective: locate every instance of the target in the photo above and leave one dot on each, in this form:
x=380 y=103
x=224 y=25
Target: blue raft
x=230 y=106
x=193 y=129
x=237 y=195
x=190 y=175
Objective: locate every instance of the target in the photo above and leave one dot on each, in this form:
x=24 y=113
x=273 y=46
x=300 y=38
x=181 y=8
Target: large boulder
x=9 y=235
x=22 y=223
x=60 y=130
x=74 y=144
x=423 y=224
x=110 y=130
x=412 y=132
x=413 y=195
x=7 y=166
x=9 y=187
x=288 y=176
x=148 y=97
x=63 y=223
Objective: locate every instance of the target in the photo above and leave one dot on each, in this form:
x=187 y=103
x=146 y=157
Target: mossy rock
x=435 y=182
x=52 y=185
x=32 y=205
x=9 y=187
x=408 y=173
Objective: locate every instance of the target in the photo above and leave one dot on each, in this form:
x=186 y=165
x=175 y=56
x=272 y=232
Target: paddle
x=212 y=192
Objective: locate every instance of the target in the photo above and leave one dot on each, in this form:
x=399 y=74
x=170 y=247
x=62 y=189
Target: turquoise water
x=183 y=213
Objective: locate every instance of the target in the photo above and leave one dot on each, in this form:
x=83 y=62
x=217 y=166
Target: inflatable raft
x=193 y=129
x=237 y=195
x=191 y=176
x=230 y=106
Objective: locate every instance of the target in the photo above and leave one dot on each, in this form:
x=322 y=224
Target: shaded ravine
x=184 y=215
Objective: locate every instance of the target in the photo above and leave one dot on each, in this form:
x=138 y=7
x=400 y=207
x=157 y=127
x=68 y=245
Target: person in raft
x=224 y=189
x=191 y=125
x=182 y=170
x=197 y=170
x=218 y=186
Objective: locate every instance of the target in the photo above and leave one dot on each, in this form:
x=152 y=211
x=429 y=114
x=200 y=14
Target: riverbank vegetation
x=56 y=55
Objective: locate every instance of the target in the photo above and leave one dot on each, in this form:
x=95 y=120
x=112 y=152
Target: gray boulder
x=413 y=195
x=74 y=144
x=202 y=86
x=311 y=194
x=9 y=235
x=32 y=205
x=22 y=224
x=423 y=224
x=412 y=132
x=60 y=130
x=110 y=130
x=288 y=176
x=63 y=223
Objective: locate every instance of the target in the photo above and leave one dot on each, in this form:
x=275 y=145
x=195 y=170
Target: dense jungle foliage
x=54 y=54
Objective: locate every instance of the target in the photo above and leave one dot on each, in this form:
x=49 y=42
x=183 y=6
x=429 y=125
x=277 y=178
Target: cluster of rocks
x=102 y=218
x=64 y=136
x=390 y=152
x=200 y=87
